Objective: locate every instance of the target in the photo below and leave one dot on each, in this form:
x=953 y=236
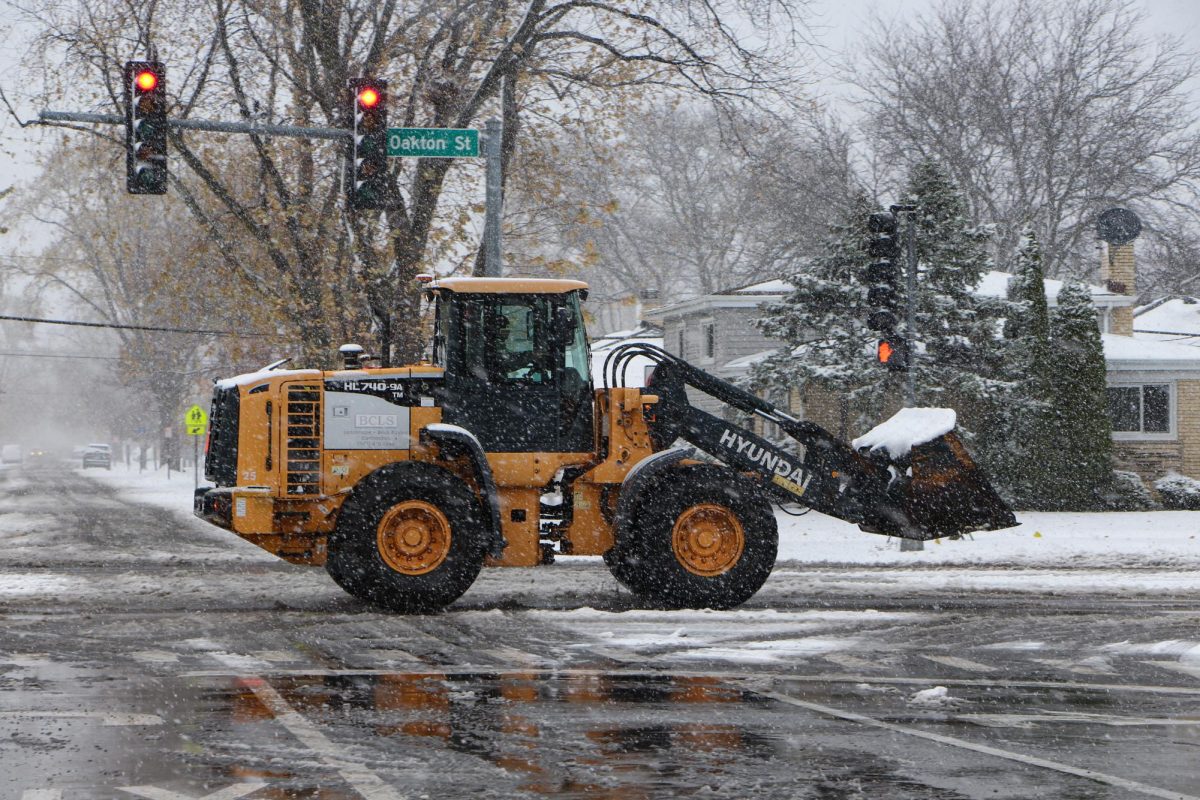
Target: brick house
x=1153 y=383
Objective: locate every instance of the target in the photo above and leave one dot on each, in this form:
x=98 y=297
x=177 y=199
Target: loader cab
x=517 y=363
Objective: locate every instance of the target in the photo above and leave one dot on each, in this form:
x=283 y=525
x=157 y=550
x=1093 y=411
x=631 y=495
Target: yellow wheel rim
x=708 y=539
x=413 y=537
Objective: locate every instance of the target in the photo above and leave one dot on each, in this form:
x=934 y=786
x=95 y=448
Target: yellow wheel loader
x=404 y=482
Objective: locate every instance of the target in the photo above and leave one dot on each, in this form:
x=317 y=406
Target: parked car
x=97 y=455
x=10 y=454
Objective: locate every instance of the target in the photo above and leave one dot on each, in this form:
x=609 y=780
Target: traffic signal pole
x=494 y=138
x=910 y=315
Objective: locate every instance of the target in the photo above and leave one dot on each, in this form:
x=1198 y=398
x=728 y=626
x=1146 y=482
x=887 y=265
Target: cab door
x=504 y=370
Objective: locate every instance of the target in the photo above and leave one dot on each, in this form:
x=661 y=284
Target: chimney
x=352 y=355
x=1119 y=273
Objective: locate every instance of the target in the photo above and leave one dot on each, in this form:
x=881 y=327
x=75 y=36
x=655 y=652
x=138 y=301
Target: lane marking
x=106 y=718
x=42 y=794
x=228 y=793
x=1077 y=667
x=511 y=654
x=1058 y=717
x=959 y=663
x=849 y=661
x=361 y=779
x=1034 y=761
x=1175 y=666
x=389 y=654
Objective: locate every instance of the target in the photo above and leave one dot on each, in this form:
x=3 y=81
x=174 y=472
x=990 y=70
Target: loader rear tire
x=408 y=539
x=703 y=536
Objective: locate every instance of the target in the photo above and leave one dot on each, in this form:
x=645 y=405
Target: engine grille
x=302 y=462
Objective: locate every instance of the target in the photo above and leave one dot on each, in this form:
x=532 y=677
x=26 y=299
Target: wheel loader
x=498 y=451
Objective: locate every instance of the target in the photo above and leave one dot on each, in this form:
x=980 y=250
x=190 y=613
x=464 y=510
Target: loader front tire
x=407 y=539
x=703 y=536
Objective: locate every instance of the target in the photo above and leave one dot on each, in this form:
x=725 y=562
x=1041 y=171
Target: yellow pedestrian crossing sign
x=196 y=421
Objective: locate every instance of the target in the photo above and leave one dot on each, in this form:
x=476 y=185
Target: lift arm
x=934 y=491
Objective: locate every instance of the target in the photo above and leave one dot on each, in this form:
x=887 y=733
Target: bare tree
x=1045 y=112
x=688 y=201
x=449 y=64
x=143 y=271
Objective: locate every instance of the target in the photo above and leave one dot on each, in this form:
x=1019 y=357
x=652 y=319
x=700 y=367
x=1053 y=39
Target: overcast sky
x=841 y=19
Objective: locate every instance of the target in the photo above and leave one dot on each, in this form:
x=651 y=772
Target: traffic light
x=882 y=275
x=145 y=127
x=893 y=353
x=367 y=187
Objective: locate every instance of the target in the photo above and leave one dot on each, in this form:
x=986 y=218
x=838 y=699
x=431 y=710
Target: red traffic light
x=368 y=97
x=146 y=80
x=893 y=353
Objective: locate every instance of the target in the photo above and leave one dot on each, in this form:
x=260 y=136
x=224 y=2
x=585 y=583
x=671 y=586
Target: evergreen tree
x=955 y=355
x=822 y=322
x=1082 y=430
x=959 y=354
x=1019 y=444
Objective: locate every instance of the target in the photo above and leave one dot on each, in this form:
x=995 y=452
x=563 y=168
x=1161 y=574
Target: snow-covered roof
x=645 y=331
x=995 y=284
x=1178 y=316
x=745 y=362
x=1141 y=353
x=636 y=368
x=766 y=287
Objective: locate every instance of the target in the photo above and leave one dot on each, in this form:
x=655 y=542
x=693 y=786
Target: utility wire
x=131 y=327
x=60 y=355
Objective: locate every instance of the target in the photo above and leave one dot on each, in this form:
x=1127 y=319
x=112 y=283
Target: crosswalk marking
x=228 y=793
x=363 y=780
x=42 y=794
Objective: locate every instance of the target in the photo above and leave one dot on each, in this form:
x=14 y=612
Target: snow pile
x=934 y=697
x=907 y=428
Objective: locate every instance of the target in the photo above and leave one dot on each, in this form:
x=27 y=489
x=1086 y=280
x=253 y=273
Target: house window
x=1140 y=410
x=710 y=339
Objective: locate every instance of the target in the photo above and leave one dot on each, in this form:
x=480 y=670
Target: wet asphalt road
x=143 y=655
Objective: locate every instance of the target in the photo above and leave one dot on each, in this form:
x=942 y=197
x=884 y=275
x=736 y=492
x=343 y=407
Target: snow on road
x=1122 y=556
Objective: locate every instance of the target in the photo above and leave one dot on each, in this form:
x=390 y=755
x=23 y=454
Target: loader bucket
x=948 y=495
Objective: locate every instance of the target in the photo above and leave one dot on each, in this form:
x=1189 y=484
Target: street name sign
x=433 y=142
x=196 y=421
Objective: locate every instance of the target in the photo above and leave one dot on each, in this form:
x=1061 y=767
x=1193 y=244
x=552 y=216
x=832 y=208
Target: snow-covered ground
x=1046 y=541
